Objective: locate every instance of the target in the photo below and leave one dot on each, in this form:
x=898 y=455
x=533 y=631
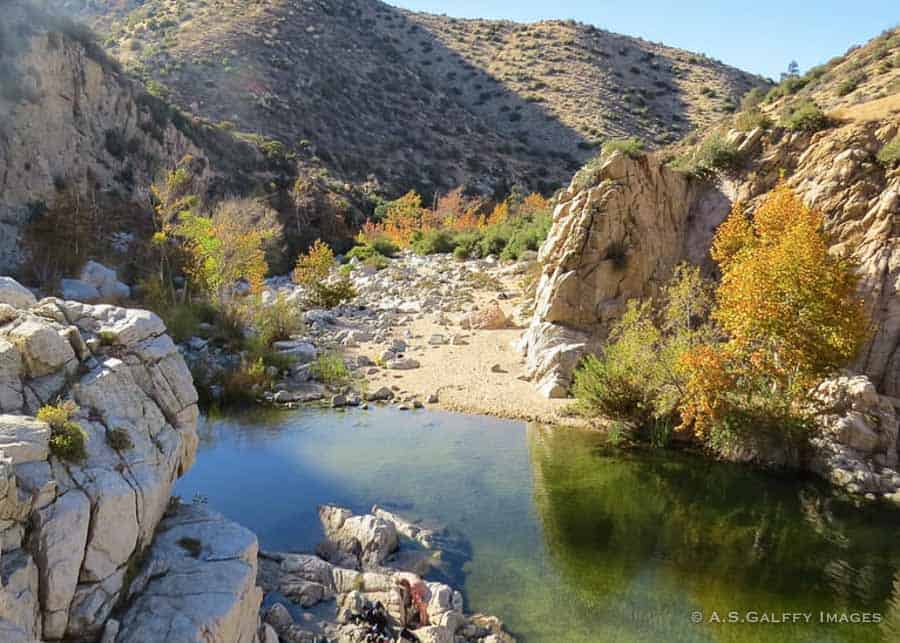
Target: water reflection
x=563 y=538
x=654 y=536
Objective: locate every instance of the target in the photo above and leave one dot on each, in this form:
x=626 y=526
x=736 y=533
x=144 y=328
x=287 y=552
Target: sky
x=759 y=36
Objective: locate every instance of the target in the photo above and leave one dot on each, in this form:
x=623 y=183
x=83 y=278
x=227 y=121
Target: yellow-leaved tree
x=228 y=245
x=790 y=311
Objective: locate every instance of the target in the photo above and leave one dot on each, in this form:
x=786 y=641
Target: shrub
x=278 y=320
x=805 y=116
x=119 y=440
x=631 y=147
x=361 y=252
x=752 y=99
x=314 y=266
x=245 y=383
x=329 y=295
x=68 y=440
x=330 y=369
x=849 y=84
x=751 y=119
x=229 y=245
x=433 y=242
x=889 y=155
x=589 y=173
x=385 y=247
x=635 y=378
x=377 y=261
x=712 y=155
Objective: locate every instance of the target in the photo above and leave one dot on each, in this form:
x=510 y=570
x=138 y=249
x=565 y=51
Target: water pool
x=571 y=540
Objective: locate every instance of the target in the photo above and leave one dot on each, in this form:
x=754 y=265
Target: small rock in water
x=338 y=401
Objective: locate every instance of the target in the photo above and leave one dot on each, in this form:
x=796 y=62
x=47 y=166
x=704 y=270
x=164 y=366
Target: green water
x=571 y=541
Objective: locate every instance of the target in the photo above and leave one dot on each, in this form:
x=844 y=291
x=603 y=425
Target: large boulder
x=78 y=290
x=14 y=294
x=620 y=229
x=106 y=281
x=198 y=584
x=356 y=541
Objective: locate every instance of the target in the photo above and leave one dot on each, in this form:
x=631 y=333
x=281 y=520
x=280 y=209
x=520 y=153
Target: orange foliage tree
x=789 y=309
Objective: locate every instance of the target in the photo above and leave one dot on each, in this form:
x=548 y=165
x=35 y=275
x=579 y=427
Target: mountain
x=401 y=99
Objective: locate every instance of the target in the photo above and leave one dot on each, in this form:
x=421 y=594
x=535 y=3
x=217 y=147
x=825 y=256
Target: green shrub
x=378 y=262
x=889 y=155
x=751 y=119
x=433 y=242
x=714 y=154
x=326 y=295
x=468 y=245
x=68 y=441
x=277 y=320
x=849 y=84
x=330 y=369
x=631 y=147
x=119 y=439
x=589 y=173
x=528 y=233
x=752 y=99
x=461 y=252
x=361 y=252
x=805 y=116
x=636 y=377
x=494 y=240
x=385 y=247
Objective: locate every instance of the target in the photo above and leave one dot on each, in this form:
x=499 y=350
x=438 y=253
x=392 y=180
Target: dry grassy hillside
x=415 y=100
x=863 y=74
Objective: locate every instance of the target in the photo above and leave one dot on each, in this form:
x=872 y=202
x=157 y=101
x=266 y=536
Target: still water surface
x=571 y=540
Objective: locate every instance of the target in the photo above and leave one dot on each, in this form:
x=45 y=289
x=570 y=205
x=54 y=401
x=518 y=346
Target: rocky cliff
x=82 y=140
x=619 y=236
x=75 y=529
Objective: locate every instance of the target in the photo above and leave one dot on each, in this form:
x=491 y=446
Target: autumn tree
x=789 y=309
x=228 y=245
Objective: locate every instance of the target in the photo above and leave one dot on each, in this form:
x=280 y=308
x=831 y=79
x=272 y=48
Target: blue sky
x=760 y=36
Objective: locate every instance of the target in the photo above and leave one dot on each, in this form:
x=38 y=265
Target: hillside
x=415 y=100
x=81 y=142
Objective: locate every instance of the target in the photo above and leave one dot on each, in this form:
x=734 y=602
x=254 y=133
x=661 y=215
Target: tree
x=227 y=246
x=789 y=309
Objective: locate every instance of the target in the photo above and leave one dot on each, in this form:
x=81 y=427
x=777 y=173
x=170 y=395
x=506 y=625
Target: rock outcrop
x=615 y=240
x=70 y=531
x=619 y=235
x=856 y=448
x=198 y=583
x=371 y=588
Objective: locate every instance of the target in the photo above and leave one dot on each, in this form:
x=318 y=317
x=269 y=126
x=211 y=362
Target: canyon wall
x=619 y=236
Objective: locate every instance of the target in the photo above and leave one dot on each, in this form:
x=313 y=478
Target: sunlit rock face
x=617 y=238
x=618 y=235
x=70 y=530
